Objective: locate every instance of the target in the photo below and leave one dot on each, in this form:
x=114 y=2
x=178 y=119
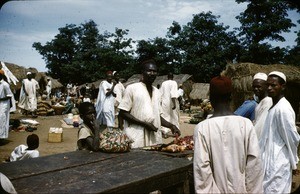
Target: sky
x=24 y=22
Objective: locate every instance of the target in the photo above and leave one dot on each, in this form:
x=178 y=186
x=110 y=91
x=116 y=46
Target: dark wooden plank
x=136 y=171
x=35 y=166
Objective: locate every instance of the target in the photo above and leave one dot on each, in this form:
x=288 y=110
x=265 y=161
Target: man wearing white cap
x=259 y=86
x=48 y=88
x=279 y=139
x=28 y=98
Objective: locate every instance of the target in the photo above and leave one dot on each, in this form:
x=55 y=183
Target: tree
x=80 y=54
x=204 y=46
x=263 y=20
x=157 y=49
x=60 y=51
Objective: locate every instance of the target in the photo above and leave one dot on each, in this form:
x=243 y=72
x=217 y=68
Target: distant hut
x=242 y=75
x=41 y=77
x=20 y=73
x=200 y=91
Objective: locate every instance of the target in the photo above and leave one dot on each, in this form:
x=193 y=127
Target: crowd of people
x=250 y=150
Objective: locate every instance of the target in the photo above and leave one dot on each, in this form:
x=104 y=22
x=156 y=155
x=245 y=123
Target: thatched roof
x=242 y=74
x=200 y=91
x=55 y=82
x=20 y=73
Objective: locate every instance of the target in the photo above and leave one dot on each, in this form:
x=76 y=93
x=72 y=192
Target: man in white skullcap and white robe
x=279 y=139
x=259 y=86
x=28 y=95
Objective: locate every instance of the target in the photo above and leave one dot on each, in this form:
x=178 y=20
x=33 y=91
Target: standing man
x=5 y=105
x=48 y=88
x=279 y=139
x=105 y=102
x=169 y=103
x=69 y=88
x=226 y=151
x=28 y=98
x=119 y=91
x=180 y=97
x=140 y=107
x=259 y=86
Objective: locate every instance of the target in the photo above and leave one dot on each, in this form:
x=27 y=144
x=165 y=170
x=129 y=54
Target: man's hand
x=150 y=127
x=175 y=130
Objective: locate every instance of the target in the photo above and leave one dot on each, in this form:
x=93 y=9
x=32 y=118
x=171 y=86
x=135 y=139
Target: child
x=88 y=134
x=23 y=152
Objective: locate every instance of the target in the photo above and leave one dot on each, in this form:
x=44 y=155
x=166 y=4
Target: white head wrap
x=261 y=76
x=28 y=73
x=279 y=74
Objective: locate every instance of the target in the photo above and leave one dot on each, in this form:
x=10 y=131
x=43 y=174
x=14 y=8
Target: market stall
x=137 y=171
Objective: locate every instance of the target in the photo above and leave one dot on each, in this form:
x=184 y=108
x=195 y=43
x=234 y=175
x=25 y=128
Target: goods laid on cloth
x=28 y=125
x=114 y=140
x=177 y=145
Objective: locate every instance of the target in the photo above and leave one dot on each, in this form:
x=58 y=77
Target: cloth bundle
x=114 y=140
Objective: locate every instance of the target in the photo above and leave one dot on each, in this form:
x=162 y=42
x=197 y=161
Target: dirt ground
x=70 y=137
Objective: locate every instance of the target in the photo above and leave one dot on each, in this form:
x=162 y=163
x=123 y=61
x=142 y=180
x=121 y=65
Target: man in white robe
x=105 y=102
x=279 y=140
x=5 y=105
x=259 y=86
x=48 y=88
x=141 y=109
x=119 y=91
x=226 y=150
x=28 y=96
x=169 y=103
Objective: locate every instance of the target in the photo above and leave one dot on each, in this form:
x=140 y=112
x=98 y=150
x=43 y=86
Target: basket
x=58 y=109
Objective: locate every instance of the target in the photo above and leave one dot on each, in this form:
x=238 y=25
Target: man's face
x=150 y=73
x=90 y=114
x=109 y=77
x=274 y=87
x=259 y=87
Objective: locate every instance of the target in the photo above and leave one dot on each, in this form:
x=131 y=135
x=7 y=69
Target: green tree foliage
x=204 y=45
x=60 y=52
x=293 y=56
x=263 y=20
x=157 y=49
x=80 y=54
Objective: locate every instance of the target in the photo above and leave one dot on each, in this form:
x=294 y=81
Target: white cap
x=279 y=74
x=28 y=73
x=261 y=76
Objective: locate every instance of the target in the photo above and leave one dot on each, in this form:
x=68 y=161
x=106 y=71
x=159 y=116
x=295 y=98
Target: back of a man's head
x=33 y=141
x=220 y=88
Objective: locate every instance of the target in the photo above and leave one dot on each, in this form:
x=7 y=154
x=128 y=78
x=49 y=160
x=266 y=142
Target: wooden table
x=137 y=171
